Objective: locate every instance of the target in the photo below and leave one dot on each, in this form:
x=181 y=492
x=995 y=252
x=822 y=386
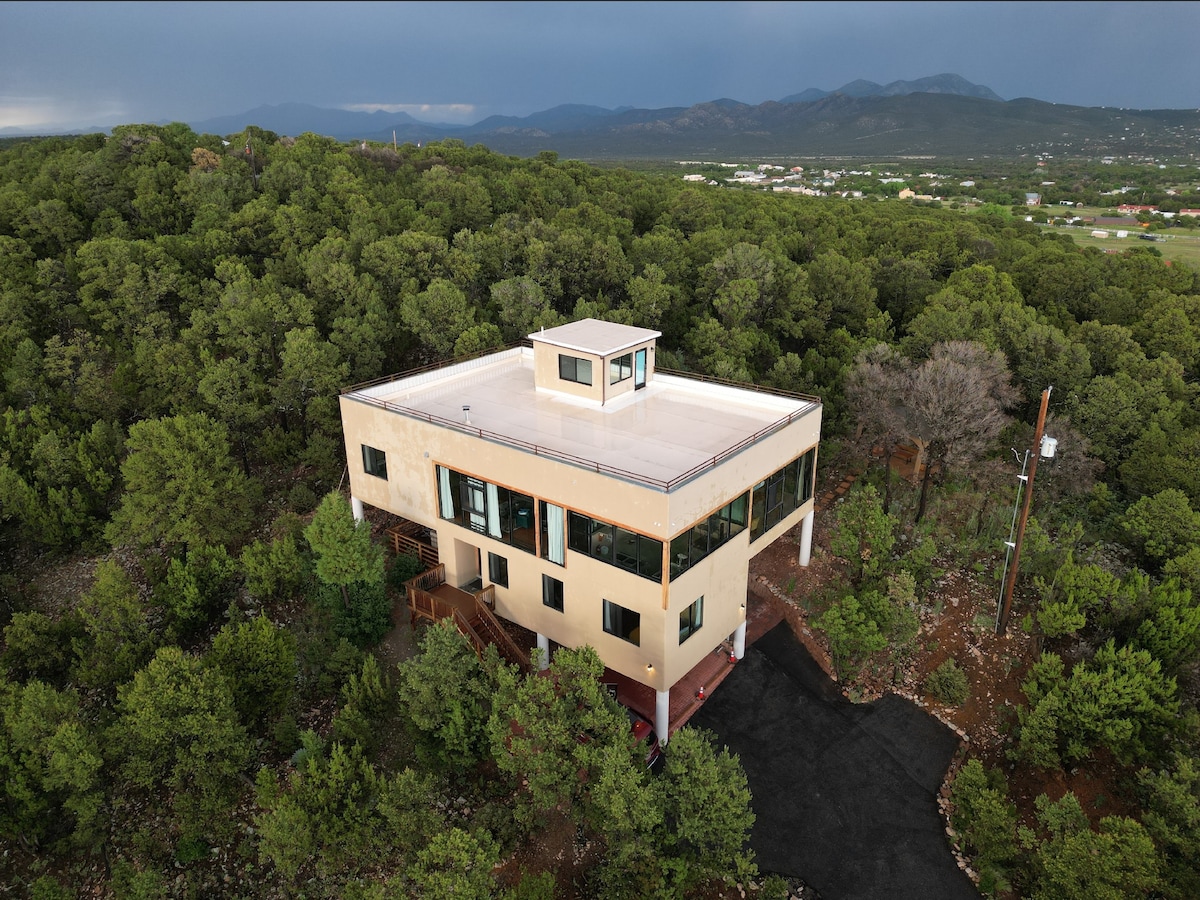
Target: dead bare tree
x=874 y=390
x=951 y=405
x=955 y=405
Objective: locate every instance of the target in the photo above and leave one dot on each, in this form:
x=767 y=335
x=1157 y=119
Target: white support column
x=739 y=641
x=806 y=526
x=543 y=644
x=356 y=505
x=662 y=714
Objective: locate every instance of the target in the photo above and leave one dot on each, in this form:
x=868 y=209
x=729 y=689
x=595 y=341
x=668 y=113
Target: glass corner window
x=620 y=368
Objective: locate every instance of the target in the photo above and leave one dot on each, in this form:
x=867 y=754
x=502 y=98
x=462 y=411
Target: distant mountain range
x=934 y=84
x=942 y=115
x=296 y=118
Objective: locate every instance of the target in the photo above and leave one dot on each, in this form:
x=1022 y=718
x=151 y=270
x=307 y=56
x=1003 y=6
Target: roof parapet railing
x=584 y=462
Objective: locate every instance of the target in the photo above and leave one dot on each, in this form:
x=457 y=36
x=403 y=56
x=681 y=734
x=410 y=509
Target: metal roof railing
x=591 y=464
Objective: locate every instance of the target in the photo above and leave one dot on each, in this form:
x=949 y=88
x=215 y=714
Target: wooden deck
x=432 y=599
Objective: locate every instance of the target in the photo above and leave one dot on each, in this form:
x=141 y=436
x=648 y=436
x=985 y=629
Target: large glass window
x=498 y=512
x=623 y=623
x=620 y=368
x=781 y=493
x=691 y=546
x=515 y=519
x=554 y=528
x=473 y=495
x=552 y=592
x=691 y=619
x=649 y=558
x=498 y=569
x=572 y=368
x=374 y=462
x=805 y=476
x=615 y=545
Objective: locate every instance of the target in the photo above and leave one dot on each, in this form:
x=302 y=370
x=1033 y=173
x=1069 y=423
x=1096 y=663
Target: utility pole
x=1011 y=579
x=250 y=153
x=1010 y=544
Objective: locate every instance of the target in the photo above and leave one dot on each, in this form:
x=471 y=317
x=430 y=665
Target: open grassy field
x=1182 y=248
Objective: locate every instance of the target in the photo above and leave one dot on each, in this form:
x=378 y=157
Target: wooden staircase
x=429 y=597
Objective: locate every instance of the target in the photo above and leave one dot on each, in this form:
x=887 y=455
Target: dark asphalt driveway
x=845 y=794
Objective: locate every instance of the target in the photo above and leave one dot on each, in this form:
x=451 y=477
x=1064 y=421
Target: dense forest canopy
x=178 y=313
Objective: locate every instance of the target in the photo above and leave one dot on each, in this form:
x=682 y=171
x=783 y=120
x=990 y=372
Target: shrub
x=274 y=571
x=852 y=634
x=984 y=816
x=948 y=683
x=533 y=887
x=365 y=619
x=302 y=499
x=39 y=647
x=404 y=567
x=775 y=887
x=197 y=586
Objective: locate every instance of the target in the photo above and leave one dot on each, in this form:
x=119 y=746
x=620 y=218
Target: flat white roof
x=659 y=434
x=595 y=336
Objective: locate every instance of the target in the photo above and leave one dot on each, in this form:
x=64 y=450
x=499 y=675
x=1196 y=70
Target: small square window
x=691 y=619
x=552 y=592
x=623 y=623
x=374 y=462
x=498 y=570
x=620 y=368
x=572 y=368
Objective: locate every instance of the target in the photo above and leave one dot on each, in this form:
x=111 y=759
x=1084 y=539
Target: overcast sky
x=72 y=65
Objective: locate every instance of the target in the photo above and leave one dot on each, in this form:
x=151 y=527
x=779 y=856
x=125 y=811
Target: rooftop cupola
x=594 y=360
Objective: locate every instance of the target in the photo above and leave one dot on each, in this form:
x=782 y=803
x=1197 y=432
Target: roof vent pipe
x=466 y=415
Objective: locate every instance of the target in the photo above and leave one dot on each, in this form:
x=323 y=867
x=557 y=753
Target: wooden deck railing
x=491 y=627
x=429 y=580
x=404 y=542
x=483 y=629
x=487 y=596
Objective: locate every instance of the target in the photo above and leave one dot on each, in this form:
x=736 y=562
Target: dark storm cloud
x=100 y=63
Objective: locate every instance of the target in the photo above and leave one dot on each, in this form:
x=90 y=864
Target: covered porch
x=761 y=617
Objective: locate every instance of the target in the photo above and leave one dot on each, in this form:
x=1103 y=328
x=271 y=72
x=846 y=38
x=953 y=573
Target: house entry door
x=639 y=370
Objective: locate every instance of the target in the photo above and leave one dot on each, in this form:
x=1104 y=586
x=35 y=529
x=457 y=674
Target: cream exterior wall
x=621 y=388
x=717 y=486
x=545 y=369
x=545 y=372
x=414 y=447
